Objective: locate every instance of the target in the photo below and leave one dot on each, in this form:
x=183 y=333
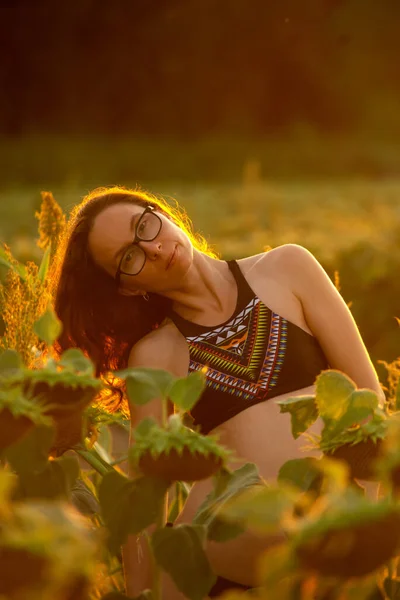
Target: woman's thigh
x=235 y=559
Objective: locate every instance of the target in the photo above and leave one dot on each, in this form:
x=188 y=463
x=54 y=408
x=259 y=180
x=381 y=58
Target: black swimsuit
x=255 y=355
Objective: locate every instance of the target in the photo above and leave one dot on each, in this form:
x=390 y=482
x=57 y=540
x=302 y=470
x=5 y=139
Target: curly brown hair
x=95 y=317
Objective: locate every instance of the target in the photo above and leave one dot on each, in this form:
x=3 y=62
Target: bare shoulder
x=295 y=269
x=162 y=348
x=286 y=264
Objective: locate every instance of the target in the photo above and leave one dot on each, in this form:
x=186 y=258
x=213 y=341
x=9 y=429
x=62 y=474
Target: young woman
x=136 y=287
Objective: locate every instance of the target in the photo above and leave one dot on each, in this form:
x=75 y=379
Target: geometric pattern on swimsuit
x=245 y=355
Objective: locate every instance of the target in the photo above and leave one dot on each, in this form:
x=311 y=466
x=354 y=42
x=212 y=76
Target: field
x=352 y=227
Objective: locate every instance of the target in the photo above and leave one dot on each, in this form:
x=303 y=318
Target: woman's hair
x=95 y=317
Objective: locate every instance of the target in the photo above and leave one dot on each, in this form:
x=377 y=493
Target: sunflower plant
x=163 y=454
x=354 y=423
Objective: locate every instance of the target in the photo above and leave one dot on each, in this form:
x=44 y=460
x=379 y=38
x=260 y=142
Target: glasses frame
x=136 y=239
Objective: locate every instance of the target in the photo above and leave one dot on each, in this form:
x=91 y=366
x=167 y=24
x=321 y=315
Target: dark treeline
x=198 y=67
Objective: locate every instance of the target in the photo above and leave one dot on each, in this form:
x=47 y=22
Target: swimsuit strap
x=244 y=295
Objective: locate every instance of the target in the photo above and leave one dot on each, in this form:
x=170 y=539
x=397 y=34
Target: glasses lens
x=133 y=260
x=148 y=227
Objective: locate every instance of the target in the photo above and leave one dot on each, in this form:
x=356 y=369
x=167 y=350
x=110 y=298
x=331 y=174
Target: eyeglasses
x=134 y=258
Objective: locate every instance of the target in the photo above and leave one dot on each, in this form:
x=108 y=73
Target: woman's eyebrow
x=132 y=227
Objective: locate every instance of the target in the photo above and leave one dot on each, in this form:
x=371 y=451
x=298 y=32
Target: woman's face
x=114 y=229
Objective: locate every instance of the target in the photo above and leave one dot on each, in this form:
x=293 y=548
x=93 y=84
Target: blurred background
x=270 y=121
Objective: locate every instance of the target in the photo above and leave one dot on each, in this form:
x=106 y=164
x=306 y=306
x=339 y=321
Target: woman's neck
x=208 y=288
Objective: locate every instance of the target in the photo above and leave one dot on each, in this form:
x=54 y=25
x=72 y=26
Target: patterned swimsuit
x=254 y=356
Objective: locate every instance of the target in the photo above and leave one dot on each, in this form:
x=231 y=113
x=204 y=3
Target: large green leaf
x=186 y=391
x=260 y=508
x=54 y=481
x=48 y=327
x=44 y=264
x=226 y=486
x=392 y=588
x=147 y=497
x=30 y=454
x=179 y=551
x=129 y=506
x=345 y=510
x=83 y=499
x=333 y=390
x=10 y=361
x=116 y=508
x=303 y=473
x=360 y=405
x=303 y=411
x=145 y=384
x=274 y=566
x=144 y=427
x=74 y=360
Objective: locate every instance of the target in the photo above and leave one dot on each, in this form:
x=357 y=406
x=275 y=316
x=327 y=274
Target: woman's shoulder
x=276 y=263
x=162 y=348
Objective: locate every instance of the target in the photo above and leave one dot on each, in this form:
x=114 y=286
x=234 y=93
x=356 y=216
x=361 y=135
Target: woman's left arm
x=328 y=317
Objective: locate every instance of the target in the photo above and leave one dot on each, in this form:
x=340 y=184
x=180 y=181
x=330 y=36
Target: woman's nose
x=152 y=249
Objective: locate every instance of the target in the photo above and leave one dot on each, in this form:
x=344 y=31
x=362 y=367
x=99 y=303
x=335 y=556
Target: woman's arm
x=328 y=316
x=157 y=350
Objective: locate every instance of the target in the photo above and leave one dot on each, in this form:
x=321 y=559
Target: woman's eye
x=142 y=227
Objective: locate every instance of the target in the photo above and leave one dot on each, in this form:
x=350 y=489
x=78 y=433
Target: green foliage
x=303 y=411
x=261 y=508
x=49 y=535
x=227 y=485
x=313 y=501
x=5 y=261
x=157 y=440
x=55 y=481
x=20 y=406
x=392 y=588
x=10 y=360
x=73 y=370
x=39 y=477
x=44 y=266
x=146 y=384
x=303 y=473
x=369 y=532
x=350 y=415
x=185 y=392
x=30 y=455
x=333 y=390
x=129 y=506
x=179 y=551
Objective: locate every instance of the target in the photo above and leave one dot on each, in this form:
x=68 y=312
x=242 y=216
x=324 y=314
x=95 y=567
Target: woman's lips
x=172 y=258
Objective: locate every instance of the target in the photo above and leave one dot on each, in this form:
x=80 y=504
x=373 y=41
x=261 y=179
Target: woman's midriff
x=261 y=434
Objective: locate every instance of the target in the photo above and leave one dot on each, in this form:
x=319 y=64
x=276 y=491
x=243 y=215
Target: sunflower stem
x=164 y=404
x=160 y=523
x=99 y=466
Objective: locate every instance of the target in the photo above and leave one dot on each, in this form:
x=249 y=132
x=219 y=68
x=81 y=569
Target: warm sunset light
x=200 y=300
